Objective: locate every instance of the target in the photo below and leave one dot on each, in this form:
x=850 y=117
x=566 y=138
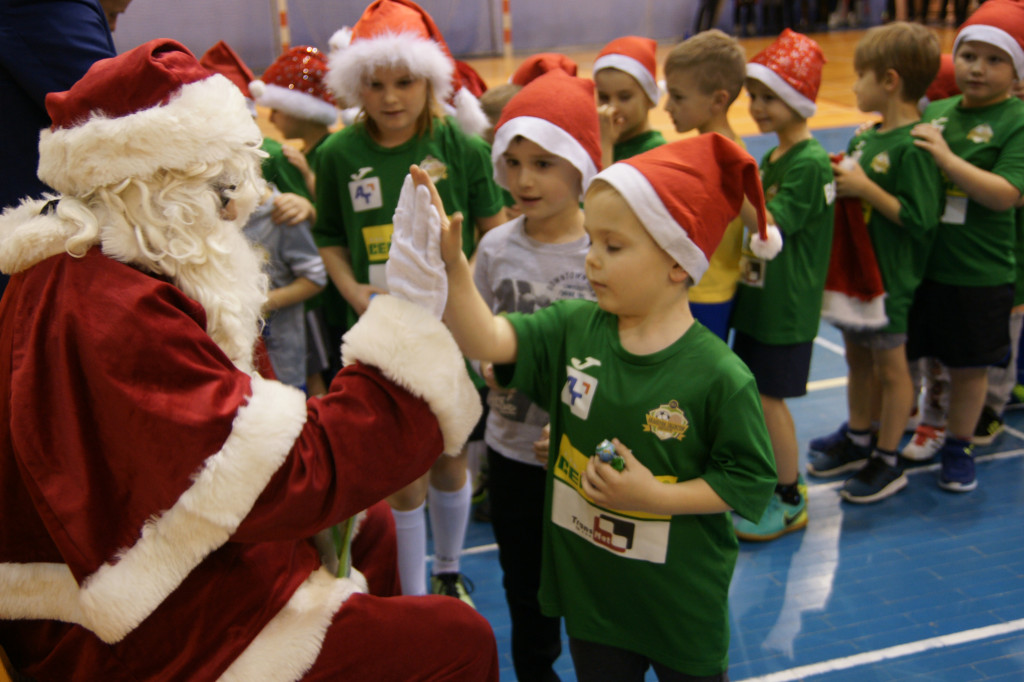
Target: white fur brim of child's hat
x=347 y=68
x=997 y=37
x=635 y=69
x=645 y=203
x=547 y=135
x=293 y=102
x=204 y=122
x=777 y=84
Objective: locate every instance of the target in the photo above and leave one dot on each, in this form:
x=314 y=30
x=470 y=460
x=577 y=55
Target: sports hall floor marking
x=898 y=651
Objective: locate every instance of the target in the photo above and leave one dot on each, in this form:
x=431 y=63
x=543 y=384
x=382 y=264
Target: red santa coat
x=154 y=497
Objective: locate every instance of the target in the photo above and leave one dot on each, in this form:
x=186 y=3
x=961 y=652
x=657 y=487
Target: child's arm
x=852 y=181
x=339 y=269
x=481 y=335
x=636 y=489
x=298 y=159
x=988 y=189
x=491 y=222
x=299 y=290
x=292 y=209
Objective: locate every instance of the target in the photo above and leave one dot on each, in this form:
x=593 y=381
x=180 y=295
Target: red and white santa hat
x=400 y=34
x=557 y=112
x=223 y=60
x=999 y=23
x=295 y=84
x=152 y=108
x=685 y=193
x=637 y=57
x=539 y=64
x=791 y=68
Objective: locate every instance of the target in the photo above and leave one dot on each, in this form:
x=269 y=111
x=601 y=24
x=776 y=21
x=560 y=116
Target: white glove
x=415 y=269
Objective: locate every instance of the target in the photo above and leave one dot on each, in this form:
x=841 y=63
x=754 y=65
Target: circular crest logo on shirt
x=435 y=168
x=667 y=421
x=980 y=134
x=880 y=164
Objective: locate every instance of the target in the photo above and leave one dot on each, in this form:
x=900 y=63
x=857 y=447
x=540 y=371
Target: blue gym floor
x=927 y=585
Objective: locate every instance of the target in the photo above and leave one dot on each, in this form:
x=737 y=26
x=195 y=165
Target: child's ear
x=720 y=100
x=677 y=275
x=891 y=80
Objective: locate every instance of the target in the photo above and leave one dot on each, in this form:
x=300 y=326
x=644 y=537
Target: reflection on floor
x=927 y=585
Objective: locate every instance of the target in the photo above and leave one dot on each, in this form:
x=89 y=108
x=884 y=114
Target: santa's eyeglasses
x=223 y=194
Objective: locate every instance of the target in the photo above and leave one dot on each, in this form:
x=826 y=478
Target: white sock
x=449 y=516
x=411 y=531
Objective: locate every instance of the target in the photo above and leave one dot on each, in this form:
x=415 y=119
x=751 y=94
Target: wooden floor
x=836 y=104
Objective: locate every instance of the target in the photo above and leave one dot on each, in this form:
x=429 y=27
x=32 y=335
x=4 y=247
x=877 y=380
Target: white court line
x=822 y=384
x=898 y=651
x=834 y=347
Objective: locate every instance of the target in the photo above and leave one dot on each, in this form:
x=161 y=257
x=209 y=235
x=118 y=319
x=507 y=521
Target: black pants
x=600 y=663
x=517 y=515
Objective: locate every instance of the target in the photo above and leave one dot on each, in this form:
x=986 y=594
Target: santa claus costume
x=157 y=494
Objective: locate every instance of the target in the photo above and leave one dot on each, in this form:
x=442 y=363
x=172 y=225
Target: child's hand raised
x=451 y=230
x=627 y=490
x=929 y=137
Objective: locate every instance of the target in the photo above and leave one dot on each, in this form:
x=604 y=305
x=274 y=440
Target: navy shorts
x=781 y=371
x=961 y=326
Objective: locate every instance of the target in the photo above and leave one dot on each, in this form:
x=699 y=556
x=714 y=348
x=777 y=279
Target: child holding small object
x=696 y=448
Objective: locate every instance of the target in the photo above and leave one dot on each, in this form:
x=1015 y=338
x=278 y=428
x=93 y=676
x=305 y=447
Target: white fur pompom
x=469 y=113
x=847 y=163
x=341 y=39
x=768 y=247
x=257 y=88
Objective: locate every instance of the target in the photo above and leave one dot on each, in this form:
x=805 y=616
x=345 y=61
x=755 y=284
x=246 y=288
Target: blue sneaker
x=778 y=519
x=841 y=457
x=824 y=443
x=957 y=468
x=876 y=481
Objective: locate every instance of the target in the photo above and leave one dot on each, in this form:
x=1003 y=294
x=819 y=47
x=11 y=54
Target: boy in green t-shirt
x=961 y=312
x=704 y=75
x=900 y=190
x=627 y=90
x=778 y=304
x=611 y=370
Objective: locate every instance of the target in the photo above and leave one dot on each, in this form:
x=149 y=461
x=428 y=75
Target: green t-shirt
x=778 y=301
x=657 y=585
x=894 y=163
x=278 y=170
x=358 y=183
x=974 y=245
x=637 y=144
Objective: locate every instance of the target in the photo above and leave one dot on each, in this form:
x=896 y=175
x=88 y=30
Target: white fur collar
x=29 y=236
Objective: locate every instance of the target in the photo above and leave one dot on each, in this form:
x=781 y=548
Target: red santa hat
x=791 y=68
x=999 y=23
x=294 y=84
x=944 y=85
x=400 y=34
x=539 y=64
x=557 y=112
x=685 y=193
x=154 y=107
x=223 y=60
x=636 y=56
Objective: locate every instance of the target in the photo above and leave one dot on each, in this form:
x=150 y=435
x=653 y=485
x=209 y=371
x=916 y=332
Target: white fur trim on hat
x=635 y=69
x=849 y=312
x=469 y=113
x=347 y=68
x=997 y=37
x=642 y=198
x=549 y=136
x=784 y=90
x=294 y=102
x=415 y=350
x=204 y=122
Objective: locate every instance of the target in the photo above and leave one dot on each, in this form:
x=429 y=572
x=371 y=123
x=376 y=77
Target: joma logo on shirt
x=578 y=391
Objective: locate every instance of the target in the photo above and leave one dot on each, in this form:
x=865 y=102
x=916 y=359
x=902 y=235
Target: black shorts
x=961 y=326
x=481 y=425
x=781 y=371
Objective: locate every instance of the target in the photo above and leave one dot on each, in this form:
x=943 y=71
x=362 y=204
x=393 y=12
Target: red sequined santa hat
x=294 y=84
x=999 y=23
x=557 y=112
x=685 y=193
x=791 y=68
x=539 y=64
x=149 y=109
x=637 y=57
x=401 y=34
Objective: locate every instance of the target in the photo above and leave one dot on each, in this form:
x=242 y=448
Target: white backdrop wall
x=471 y=27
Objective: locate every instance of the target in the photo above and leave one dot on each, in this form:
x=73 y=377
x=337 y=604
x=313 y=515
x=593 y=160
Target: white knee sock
x=449 y=516
x=411 y=531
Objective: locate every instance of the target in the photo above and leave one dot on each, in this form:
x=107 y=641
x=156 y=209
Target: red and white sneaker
x=926 y=442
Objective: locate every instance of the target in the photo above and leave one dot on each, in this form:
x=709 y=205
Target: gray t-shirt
x=291 y=254
x=515 y=273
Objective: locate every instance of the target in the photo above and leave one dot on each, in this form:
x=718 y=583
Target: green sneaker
x=454 y=585
x=778 y=519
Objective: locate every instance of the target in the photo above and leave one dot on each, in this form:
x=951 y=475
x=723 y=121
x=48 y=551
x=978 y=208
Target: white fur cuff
x=416 y=351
